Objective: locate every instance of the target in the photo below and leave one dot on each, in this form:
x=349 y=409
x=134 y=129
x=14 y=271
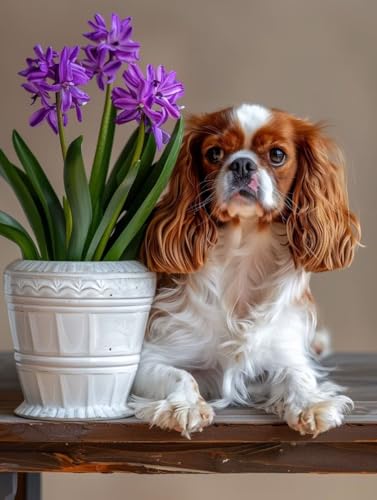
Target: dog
x=256 y=203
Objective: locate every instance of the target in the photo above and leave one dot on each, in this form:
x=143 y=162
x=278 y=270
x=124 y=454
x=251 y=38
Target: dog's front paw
x=321 y=416
x=175 y=413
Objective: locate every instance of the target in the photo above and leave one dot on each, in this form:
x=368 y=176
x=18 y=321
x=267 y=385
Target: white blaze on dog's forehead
x=252 y=117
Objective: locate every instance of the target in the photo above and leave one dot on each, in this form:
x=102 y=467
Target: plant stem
x=61 y=125
x=139 y=144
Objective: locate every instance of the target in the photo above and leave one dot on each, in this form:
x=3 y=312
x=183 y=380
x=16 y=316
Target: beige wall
x=313 y=58
x=208 y=487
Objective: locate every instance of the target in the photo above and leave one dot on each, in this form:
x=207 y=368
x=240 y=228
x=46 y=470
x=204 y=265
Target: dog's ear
x=322 y=231
x=181 y=232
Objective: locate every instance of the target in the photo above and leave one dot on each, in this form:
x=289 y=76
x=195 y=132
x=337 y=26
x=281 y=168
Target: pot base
x=39 y=412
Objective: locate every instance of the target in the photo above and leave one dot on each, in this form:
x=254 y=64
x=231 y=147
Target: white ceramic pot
x=77 y=329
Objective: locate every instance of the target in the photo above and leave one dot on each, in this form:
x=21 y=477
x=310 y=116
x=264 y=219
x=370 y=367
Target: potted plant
x=78 y=301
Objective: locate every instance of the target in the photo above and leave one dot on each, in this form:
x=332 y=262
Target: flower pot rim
x=121 y=268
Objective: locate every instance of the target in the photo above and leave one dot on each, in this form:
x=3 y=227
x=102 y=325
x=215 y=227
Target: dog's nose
x=243 y=166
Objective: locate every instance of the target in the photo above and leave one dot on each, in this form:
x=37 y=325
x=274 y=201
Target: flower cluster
x=51 y=73
x=112 y=48
x=55 y=79
x=90 y=225
x=152 y=99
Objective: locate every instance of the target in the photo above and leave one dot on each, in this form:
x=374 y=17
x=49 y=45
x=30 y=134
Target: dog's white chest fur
x=249 y=265
x=235 y=332
x=228 y=316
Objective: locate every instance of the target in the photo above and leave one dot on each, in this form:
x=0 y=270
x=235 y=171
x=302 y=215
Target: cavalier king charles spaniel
x=256 y=203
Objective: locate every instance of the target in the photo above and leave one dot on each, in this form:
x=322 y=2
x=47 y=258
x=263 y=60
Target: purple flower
x=97 y=64
x=117 y=39
x=47 y=112
x=51 y=73
x=151 y=98
x=70 y=74
x=100 y=31
x=42 y=66
x=167 y=89
x=37 y=90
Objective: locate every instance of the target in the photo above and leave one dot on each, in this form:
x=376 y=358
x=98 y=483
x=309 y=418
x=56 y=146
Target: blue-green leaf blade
x=146 y=162
x=12 y=175
x=11 y=229
x=52 y=208
x=140 y=213
x=110 y=217
x=133 y=248
x=121 y=166
x=103 y=151
x=68 y=221
x=78 y=196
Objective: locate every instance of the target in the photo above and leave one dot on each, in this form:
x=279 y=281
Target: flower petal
x=127 y=116
x=38 y=116
x=66 y=100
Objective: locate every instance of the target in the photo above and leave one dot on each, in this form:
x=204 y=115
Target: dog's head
x=248 y=162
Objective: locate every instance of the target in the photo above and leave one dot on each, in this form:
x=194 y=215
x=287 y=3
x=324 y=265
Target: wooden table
x=241 y=439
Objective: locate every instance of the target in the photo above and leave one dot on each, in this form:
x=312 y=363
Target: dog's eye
x=215 y=154
x=277 y=157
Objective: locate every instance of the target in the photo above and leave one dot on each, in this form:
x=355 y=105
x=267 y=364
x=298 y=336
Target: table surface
x=240 y=440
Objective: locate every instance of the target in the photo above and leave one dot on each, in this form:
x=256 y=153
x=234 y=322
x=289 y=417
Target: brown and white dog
x=256 y=203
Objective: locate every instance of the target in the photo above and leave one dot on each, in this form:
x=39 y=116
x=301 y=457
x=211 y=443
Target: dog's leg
x=306 y=403
x=179 y=405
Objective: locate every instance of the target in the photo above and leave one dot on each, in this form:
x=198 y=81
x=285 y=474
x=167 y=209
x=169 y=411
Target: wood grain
x=189 y=458
x=241 y=440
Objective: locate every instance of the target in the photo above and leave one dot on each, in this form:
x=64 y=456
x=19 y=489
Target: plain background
x=316 y=59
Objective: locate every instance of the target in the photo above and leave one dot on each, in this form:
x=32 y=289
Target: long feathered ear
x=322 y=231
x=179 y=235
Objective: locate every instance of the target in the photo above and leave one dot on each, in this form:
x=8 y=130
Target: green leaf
x=28 y=185
x=11 y=229
x=145 y=188
x=51 y=206
x=133 y=249
x=97 y=214
x=138 y=147
x=12 y=175
x=78 y=195
x=68 y=221
x=151 y=191
x=113 y=210
x=103 y=151
x=121 y=166
x=145 y=171
x=146 y=161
